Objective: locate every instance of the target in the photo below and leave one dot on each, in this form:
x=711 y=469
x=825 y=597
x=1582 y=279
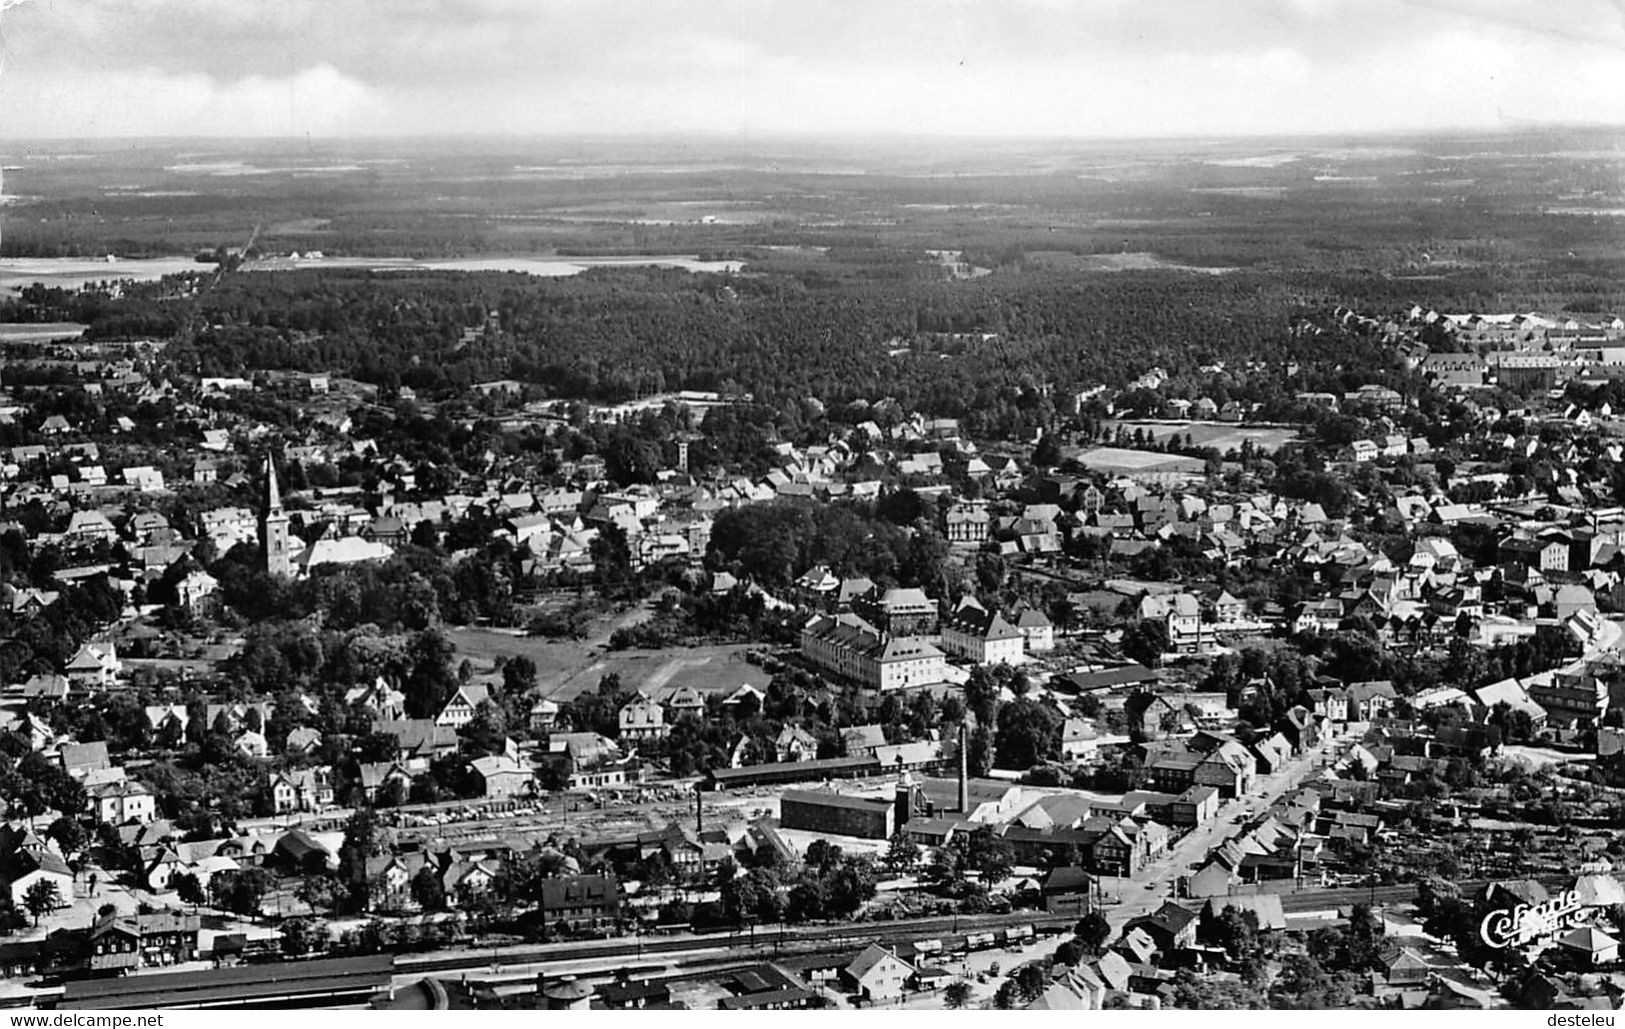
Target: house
x=1228 y=609
x=460 y=708
x=1545 y=555
x=1370 y=700
x=795 y=744
x=863 y=740
x=30 y=864
x=1079 y=739
x=1067 y=890
x=543 y=713
x=252 y=744
x=299 y=850
x=683 y=702
x=377 y=780
x=1077 y=989
x=643 y=719
x=1181 y=614
x=382 y=699
x=389 y=880
x=118 y=803
x=967 y=522
x=1195 y=807
x=118 y=943
x=303 y=789
x=1036 y=627
x=46 y=687
x=1589 y=946
x=303 y=740
x=1266 y=907
x=579 y=901
x=586 y=759
x=80 y=760
x=981 y=636
x=1404 y=966
x=877 y=974
x=419 y=740
x=1171 y=927
x=503 y=775
x=95 y=667
x=90 y=526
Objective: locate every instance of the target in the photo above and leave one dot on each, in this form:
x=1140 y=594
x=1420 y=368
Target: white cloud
x=981 y=67
x=317 y=101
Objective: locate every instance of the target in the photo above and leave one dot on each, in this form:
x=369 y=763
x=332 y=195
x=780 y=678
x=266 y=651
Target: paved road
x=1147 y=891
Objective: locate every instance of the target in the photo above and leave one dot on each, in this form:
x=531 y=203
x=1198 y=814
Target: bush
x=1043 y=775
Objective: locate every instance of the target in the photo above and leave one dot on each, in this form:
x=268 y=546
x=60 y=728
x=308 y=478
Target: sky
x=1044 y=68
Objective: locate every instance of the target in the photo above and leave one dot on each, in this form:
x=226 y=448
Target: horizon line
x=1511 y=128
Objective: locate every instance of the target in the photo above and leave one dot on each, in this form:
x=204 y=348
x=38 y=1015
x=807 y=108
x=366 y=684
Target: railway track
x=806 y=939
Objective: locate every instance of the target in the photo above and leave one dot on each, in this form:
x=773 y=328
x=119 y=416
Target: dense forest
x=998 y=352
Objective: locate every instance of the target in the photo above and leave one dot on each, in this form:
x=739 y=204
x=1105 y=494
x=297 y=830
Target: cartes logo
x=1527 y=923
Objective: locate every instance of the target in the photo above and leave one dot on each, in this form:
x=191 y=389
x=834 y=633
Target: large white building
x=982 y=636
x=853 y=649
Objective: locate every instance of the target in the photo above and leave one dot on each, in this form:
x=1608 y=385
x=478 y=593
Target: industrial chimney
x=699 y=810
x=964 y=777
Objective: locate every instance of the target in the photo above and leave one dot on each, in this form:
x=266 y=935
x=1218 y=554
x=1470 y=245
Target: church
x=287 y=556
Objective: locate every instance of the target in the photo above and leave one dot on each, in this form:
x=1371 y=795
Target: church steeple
x=272 y=502
x=273 y=526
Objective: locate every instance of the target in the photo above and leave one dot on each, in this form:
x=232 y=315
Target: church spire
x=274 y=550
x=273 y=492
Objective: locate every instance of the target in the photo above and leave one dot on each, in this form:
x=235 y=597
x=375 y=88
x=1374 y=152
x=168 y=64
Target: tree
x=189 y=889
x=241 y=890
x=957 y=994
x=300 y=936
x=518 y=674
x=809 y=901
x=428 y=890
x=902 y=853
x=431 y=680
x=991 y=571
x=822 y=854
x=69 y=835
x=1092 y=932
x=42 y=897
x=1146 y=641
x=1029 y=734
x=851 y=886
x=361 y=844
x=982 y=693
x=1029 y=981
x=320 y=892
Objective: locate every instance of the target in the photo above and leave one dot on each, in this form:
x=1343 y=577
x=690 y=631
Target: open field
x=42 y=332
x=1117 y=460
x=1224 y=436
x=1136 y=261
x=72 y=273
x=565 y=669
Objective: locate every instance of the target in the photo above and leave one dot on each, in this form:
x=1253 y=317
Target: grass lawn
x=565 y=669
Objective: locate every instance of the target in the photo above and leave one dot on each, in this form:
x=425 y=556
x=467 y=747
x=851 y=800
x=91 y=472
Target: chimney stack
x=699 y=810
x=903 y=802
x=964 y=765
